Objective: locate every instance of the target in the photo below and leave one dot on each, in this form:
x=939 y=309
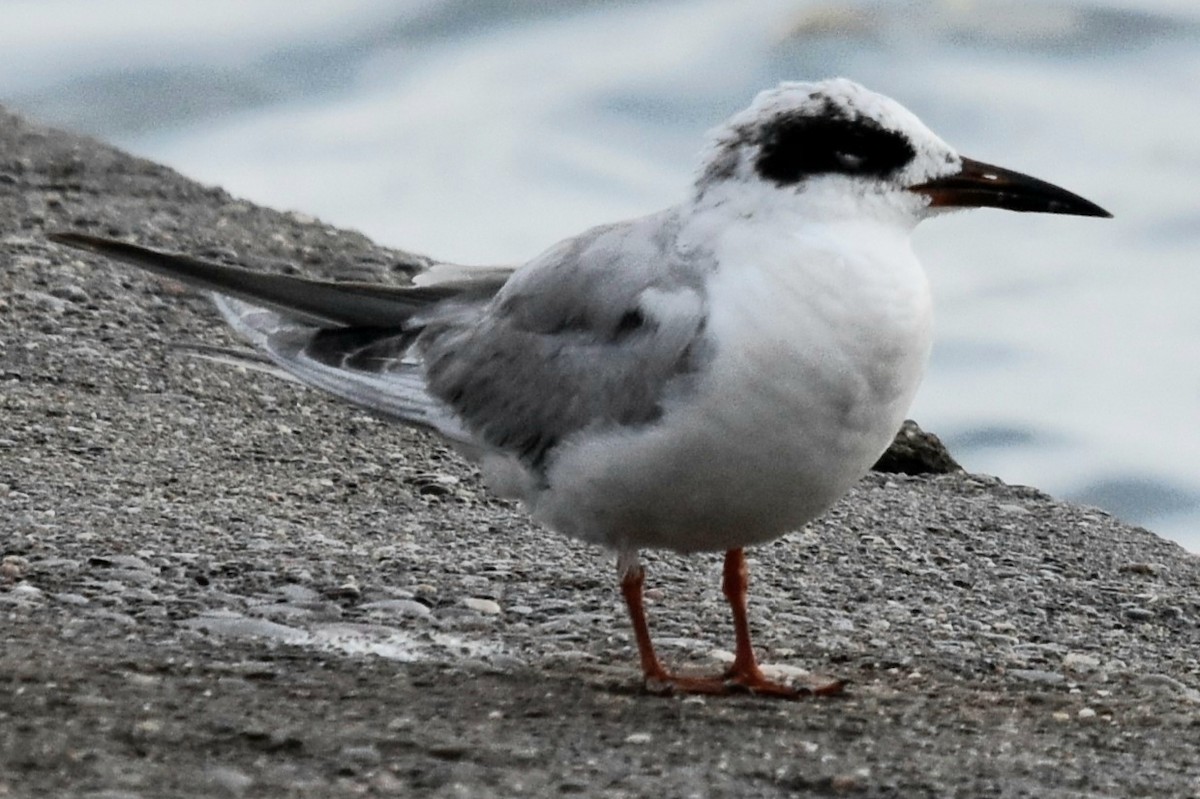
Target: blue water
x=1068 y=349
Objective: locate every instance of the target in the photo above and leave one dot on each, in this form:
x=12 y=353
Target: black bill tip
x=980 y=185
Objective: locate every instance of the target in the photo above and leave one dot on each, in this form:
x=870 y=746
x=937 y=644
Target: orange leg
x=743 y=675
x=631 y=588
x=734 y=585
x=745 y=672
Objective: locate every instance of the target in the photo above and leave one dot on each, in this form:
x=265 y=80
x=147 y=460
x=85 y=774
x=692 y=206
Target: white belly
x=815 y=365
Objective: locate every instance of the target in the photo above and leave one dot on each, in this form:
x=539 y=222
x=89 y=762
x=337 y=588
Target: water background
x=1068 y=350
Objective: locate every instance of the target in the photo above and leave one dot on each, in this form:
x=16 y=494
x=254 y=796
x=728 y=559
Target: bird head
x=838 y=148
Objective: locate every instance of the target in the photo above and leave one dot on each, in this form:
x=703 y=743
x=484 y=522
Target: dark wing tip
x=86 y=241
x=73 y=239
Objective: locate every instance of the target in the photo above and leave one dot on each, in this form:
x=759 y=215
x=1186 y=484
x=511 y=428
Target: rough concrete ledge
x=215 y=583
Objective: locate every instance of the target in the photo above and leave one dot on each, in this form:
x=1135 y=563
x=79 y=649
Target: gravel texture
x=217 y=583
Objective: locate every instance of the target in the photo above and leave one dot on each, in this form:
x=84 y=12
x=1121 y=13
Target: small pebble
x=1169 y=682
x=639 y=738
x=1081 y=663
x=347 y=590
x=298 y=594
x=1037 y=676
x=388 y=784
x=282 y=612
x=721 y=655
x=46 y=303
x=228 y=780
x=1139 y=614
x=12 y=568
x=1148 y=569
x=302 y=218
x=242 y=627
x=71 y=293
x=25 y=591
x=116 y=616
x=72 y=599
x=148 y=728
x=119 y=562
x=845 y=783
x=366 y=755
x=399 y=607
x=785 y=672
x=487 y=607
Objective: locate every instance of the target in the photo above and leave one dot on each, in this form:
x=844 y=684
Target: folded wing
x=602 y=330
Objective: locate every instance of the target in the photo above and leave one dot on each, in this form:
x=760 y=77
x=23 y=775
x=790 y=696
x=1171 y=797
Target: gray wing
x=603 y=330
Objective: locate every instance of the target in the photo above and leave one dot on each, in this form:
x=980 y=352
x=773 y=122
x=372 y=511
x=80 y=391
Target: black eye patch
x=793 y=148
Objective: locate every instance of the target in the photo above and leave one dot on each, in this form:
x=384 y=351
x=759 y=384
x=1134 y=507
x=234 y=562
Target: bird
x=704 y=378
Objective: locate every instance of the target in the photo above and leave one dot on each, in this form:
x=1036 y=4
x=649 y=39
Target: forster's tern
x=707 y=377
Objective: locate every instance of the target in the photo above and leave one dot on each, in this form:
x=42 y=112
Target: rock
x=914 y=451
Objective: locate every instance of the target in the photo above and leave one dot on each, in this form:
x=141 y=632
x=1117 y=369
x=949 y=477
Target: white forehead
x=848 y=100
x=852 y=99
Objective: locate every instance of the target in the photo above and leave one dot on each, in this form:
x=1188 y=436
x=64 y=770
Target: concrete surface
x=217 y=583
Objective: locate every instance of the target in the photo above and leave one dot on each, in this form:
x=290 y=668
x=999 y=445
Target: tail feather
x=254 y=360
x=316 y=302
x=393 y=387
x=353 y=340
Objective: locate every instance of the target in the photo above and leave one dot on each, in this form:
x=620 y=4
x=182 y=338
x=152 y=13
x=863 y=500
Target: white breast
x=818 y=351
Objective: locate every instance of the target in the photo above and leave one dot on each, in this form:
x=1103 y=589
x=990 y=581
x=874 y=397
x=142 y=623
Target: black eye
x=796 y=147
